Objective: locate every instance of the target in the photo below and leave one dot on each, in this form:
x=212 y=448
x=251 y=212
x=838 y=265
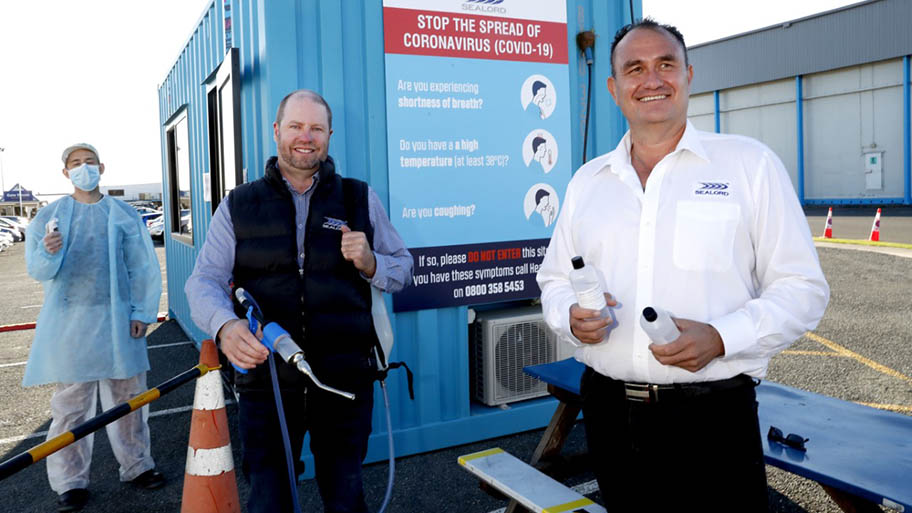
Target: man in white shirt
x=708 y=227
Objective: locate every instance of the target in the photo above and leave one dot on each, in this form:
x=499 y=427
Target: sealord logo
x=712 y=189
x=486 y=6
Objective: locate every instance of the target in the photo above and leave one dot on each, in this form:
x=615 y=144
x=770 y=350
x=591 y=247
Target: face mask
x=85 y=177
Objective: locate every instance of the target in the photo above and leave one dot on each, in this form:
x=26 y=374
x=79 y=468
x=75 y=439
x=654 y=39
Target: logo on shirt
x=711 y=189
x=333 y=224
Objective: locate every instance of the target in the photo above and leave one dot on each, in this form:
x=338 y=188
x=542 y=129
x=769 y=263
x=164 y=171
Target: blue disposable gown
x=105 y=275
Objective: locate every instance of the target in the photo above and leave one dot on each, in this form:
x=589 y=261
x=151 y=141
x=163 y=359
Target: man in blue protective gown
x=102 y=285
x=308 y=245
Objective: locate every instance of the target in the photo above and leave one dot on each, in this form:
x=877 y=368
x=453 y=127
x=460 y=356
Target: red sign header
x=443 y=34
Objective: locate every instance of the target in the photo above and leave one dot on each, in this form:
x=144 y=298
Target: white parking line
x=159 y=346
x=160 y=413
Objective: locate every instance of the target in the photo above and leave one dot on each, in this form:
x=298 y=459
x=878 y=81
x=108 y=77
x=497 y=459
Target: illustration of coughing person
x=541 y=98
x=544 y=207
x=542 y=153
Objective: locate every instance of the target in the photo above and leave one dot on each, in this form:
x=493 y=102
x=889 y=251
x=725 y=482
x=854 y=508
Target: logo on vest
x=333 y=224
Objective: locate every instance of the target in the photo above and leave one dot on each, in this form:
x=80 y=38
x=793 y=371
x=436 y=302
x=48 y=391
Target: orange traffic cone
x=210 y=485
x=875 y=228
x=828 y=231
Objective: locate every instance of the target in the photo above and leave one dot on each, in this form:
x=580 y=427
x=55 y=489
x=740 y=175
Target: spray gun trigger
x=252 y=323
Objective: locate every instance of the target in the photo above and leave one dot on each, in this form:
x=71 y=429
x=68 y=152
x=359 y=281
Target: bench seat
x=532 y=489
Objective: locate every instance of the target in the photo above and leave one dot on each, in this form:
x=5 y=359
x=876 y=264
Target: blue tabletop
x=862 y=450
x=565 y=374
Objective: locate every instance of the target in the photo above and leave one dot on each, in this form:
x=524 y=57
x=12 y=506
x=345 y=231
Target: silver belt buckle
x=641 y=393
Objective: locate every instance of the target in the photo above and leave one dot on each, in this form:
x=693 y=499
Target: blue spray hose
x=392 y=459
x=254 y=320
x=289 y=462
x=272 y=337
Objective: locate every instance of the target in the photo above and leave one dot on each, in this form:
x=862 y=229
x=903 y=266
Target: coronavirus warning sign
x=478 y=125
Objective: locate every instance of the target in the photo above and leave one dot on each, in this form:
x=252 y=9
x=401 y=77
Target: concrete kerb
x=865 y=243
x=888 y=248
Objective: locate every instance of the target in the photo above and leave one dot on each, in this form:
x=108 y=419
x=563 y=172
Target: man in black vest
x=308 y=245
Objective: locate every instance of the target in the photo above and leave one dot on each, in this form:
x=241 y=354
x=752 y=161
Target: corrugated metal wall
x=851 y=65
x=850 y=112
x=765 y=112
x=872 y=31
x=336 y=48
x=847 y=113
x=184 y=88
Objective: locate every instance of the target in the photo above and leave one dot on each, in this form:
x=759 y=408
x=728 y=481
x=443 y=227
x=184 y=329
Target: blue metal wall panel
x=907 y=133
x=607 y=124
x=183 y=88
x=799 y=116
x=336 y=48
x=855 y=201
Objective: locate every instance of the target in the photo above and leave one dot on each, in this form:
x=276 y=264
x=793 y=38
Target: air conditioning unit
x=502 y=343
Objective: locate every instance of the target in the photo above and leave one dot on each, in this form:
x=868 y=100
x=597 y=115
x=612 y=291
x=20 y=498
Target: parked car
x=157 y=226
x=24 y=221
x=13 y=233
x=151 y=219
x=147 y=213
x=145 y=203
x=13 y=226
x=6 y=239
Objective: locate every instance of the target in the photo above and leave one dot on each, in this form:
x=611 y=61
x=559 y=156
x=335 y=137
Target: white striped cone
x=210 y=485
x=828 y=231
x=875 y=228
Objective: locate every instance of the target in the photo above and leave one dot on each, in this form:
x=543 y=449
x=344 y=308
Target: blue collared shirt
x=207 y=288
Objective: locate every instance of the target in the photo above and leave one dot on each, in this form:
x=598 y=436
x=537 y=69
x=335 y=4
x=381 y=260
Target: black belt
x=651 y=393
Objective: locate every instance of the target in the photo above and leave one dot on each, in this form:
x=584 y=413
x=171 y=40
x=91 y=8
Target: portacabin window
x=181 y=203
x=223 y=103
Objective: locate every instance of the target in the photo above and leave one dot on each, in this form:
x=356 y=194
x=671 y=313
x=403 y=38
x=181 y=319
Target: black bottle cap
x=577 y=262
x=650 y=314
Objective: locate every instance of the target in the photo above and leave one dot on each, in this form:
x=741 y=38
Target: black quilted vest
x=325 y=308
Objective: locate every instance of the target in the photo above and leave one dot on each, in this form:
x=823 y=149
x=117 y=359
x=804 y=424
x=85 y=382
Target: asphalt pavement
x=868 y=315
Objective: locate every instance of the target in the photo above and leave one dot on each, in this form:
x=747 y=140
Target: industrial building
x=847 y=141
x=134 y=192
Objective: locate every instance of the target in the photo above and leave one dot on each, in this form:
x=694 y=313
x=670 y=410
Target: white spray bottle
x=658 y=325
x=585 y=283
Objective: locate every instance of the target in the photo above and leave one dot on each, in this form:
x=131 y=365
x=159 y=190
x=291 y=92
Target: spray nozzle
x=301 y=364
x=278 y=341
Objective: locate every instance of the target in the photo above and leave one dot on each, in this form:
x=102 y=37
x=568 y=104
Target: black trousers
x=339 y=430
x=701 y=453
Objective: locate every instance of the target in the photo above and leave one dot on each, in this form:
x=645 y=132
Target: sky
x=89 y=70
x=86 y=71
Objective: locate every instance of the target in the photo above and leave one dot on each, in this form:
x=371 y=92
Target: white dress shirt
x=717 y=236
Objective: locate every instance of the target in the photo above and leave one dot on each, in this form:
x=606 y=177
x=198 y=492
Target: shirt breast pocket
x=704 y=235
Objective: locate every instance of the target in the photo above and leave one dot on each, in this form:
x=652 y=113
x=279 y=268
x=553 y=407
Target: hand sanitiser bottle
x=585 y=283
x=658 y=325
